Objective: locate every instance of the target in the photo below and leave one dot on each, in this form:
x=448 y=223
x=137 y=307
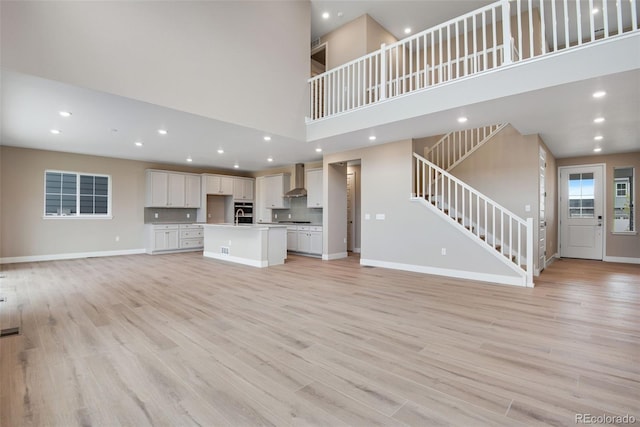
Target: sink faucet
x=238 y=212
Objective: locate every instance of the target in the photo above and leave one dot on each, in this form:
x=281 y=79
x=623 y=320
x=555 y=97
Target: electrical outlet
x=155 y=215
x=289 y=216
x=117 y=238
x=276 y=215
x=208 y=215
x=188 y=215
x=444 y=251
x=345 y=240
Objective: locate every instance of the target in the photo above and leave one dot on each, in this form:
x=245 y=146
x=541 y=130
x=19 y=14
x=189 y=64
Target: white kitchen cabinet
x=192 y=191
x=219 y=184
x=314 y=188
x=172 y=190
x=243 y=189
x=292 y=238
x=309 y=240
x=162 y=238
x=275 y=187
x=260 y=211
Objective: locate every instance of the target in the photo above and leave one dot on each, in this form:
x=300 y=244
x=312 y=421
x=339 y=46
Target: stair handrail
x=527 y=224
x=436 y=152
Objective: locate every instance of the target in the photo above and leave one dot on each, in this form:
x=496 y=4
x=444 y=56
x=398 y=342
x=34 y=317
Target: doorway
x=582 y=211
x=542 y=229
x=319 y=60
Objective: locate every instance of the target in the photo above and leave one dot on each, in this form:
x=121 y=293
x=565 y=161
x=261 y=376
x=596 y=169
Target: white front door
x=581 y=211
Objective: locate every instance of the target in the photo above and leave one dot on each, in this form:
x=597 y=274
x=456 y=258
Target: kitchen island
x=257 y=245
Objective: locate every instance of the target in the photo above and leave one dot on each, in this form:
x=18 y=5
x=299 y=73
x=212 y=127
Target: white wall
x=243 y=62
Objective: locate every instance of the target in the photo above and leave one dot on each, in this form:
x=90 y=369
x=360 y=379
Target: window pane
x=86 y=184
x=52 y=204
x=86 y=204
x=101 y=205
x=581 y=195
x=54 y=182
x=68 y=205
x=102 y=185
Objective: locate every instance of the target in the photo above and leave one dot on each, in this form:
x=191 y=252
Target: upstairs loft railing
x=469 y=44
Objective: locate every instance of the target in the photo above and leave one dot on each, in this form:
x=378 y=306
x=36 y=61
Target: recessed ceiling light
x=138 y=144
x=162 y=132
x=64 y=113
x=267 y=138
x=597 y=150
x=599 y=94
x=221 y=151
x=372 y=138
x=340 y=14
x=462 y=119
x=270 y=159
x=189 y=159
x=318 y=150
x=55 y=131
x=598 y=120
x=325 y=15
x=598 y=138
x=595 y=10
x=407 y=30
x=236 y=166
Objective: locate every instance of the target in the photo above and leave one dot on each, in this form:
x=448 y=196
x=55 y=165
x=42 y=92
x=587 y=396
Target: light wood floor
x=181 y=340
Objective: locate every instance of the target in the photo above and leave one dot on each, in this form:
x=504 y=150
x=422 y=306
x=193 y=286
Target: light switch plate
x=367 y=216
x=380 y=217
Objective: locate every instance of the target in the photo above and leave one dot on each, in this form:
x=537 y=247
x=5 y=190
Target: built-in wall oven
x=243 y=212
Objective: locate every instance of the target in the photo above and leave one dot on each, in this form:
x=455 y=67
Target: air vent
x=224 y=250
x=9 y=331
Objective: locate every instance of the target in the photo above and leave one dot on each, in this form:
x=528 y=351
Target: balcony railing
x=467 y=45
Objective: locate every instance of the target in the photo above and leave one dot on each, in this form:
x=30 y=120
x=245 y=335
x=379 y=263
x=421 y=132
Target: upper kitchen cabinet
x=218 y=184
x=243 y=189
x=314 y=188
x=192 y=191
x=275 y=187
x=171 y=190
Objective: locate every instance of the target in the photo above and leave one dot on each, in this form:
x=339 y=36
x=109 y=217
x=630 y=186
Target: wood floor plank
x=182 y=340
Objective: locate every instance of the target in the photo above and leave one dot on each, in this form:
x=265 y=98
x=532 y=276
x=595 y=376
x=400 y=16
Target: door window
x=581 y=195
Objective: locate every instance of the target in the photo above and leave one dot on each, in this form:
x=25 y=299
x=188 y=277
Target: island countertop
x=246 y=226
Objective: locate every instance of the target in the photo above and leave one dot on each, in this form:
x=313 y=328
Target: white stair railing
x=498 y=229
x=490 y=37
x=454 y=147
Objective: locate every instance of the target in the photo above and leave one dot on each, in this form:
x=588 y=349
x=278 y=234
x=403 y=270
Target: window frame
x=77 y=215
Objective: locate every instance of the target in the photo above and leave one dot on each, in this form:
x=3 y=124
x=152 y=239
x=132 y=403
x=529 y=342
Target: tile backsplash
x=169 y=215
x=299 y=212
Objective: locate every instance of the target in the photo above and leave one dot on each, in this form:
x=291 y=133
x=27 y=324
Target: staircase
x=492 y=226
x=454 y=147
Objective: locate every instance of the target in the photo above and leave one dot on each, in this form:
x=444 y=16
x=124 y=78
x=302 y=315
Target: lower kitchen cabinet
x=307 y=239
x=163 y=238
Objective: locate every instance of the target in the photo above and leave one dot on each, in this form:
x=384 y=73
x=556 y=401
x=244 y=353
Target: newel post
x=383 y=72
x=506 y=32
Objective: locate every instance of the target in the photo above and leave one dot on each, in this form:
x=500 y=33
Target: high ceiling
x=106 y=125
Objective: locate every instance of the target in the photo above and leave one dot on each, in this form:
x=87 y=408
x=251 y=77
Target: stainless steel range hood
x=299 y=190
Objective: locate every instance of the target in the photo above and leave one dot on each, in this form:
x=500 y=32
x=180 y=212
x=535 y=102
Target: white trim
x=337 y=255
x=551 y=260
x=73 y=255
x=356 y=250
x=461 y=274
x=77 y=217
x=235 y=259
x=622 y=259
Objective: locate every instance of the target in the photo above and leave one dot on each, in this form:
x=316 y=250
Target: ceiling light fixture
x=318 y=150
x=189 y=159
x=325 y=15
x=372 y=138
x=236 y=166
x=595 y=10
x=221 y=151
x=55 y=131
x=138 y=144
x=162 y=132
x=270 y=159
x=267 y=138
x=407 y=30
x=64 y=113
x=598 y=120
x=599 y=94
x=462 y=119
x=598 y=138
x=597 y=150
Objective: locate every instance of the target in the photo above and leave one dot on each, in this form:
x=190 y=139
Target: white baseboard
x=237 y=260
x=75 y=255
x=337 y=255
x=551 y=260
x=460 y=274
x=356 y=250
x=622 y=259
